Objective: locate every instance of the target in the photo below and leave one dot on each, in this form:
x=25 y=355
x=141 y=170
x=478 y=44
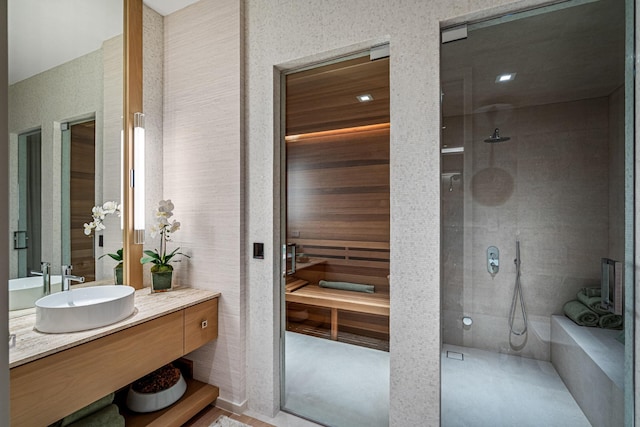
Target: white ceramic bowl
x=149 y=402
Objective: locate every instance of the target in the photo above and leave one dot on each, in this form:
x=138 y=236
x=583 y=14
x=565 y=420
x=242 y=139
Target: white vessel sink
x=24 y=292
x=84 y=308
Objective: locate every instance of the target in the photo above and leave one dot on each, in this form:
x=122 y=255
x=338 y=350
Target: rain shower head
x=495 y=137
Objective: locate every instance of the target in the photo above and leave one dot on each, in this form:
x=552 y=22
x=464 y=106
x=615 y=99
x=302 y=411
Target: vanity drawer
x=200 y=324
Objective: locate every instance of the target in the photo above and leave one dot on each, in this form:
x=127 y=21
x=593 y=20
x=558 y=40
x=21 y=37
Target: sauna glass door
x=336 y=248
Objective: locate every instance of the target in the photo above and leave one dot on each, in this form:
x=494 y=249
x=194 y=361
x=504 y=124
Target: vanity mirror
x=65 y=132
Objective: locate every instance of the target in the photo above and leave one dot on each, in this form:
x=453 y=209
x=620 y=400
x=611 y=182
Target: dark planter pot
x=117 y=275
x=161 y=281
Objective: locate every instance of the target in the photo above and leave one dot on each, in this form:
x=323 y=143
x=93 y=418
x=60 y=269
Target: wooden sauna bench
x=336 y=299
x=346 y=261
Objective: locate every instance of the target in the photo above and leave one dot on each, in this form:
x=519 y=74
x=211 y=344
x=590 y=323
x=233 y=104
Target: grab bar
x=611 y=286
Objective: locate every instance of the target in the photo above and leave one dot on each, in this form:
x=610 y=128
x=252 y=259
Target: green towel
x=592 y=302
x=592 y=292
x=106 y=417
x=580 y=314
x=356 y=287
x=88 y=410
x=610 y=321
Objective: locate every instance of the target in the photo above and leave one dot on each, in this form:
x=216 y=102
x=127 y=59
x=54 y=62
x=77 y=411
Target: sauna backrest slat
x=349 y=261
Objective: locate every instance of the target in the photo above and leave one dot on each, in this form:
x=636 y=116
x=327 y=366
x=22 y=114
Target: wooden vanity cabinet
x=50 y=388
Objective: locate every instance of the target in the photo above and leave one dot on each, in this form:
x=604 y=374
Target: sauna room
x=336 y=250
x=337 y=192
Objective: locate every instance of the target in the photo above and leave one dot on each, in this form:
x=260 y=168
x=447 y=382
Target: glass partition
x=537 y=195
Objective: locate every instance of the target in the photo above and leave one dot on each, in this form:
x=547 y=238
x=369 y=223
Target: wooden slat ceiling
x=324 y=98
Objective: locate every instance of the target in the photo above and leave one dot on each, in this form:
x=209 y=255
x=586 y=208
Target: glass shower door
x=537 y=189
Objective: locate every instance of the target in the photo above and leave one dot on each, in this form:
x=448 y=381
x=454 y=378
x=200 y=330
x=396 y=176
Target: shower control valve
x=493 y=260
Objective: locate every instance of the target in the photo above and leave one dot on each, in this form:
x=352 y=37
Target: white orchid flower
x=98 y=212
x=111 y=207
x=175 y=226
x=165 y=209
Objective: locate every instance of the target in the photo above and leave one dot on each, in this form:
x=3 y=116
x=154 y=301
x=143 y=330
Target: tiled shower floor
x=493 y=390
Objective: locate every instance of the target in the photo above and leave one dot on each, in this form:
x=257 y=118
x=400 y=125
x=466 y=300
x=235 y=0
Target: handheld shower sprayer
x=517 y=294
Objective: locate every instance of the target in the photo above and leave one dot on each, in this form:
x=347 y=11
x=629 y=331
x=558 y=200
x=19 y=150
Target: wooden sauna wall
x=338 y=178
x=82 y=197
x=338 y=187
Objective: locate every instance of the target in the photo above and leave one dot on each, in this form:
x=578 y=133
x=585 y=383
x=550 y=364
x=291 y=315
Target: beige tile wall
x=153 y=106
x=202 y=174
x=111 y=153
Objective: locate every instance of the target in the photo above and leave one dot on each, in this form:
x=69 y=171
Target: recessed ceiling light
x=505 y=77
x=365 y=97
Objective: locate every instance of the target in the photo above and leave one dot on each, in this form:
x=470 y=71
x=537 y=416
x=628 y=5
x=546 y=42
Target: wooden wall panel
x=82 y=197
x=338 y=186
x=203 y=173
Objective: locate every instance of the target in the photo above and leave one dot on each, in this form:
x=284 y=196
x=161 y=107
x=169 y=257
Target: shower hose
x=517 y=295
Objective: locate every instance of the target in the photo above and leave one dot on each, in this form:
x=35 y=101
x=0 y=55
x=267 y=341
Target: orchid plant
x=165 y=228
x=99 y=214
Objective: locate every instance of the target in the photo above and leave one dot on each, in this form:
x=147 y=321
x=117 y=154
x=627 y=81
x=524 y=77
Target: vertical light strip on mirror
x=138 y=182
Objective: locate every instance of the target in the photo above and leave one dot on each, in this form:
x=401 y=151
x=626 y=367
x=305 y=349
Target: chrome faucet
x=67 y=277
x=45 y=272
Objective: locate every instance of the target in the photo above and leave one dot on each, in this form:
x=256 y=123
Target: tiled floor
x=485 y=389
x=336 y=384
x=493 y=390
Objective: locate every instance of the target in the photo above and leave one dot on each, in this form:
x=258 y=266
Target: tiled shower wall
x=547 y=187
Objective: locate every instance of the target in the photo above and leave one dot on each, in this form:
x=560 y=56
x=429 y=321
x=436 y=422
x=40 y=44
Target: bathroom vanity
x=53 y=375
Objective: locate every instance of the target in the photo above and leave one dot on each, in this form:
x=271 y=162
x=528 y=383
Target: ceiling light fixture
x=505 y=77
x=365 y=97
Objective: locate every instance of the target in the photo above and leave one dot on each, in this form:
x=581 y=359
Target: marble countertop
x=32 y=345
